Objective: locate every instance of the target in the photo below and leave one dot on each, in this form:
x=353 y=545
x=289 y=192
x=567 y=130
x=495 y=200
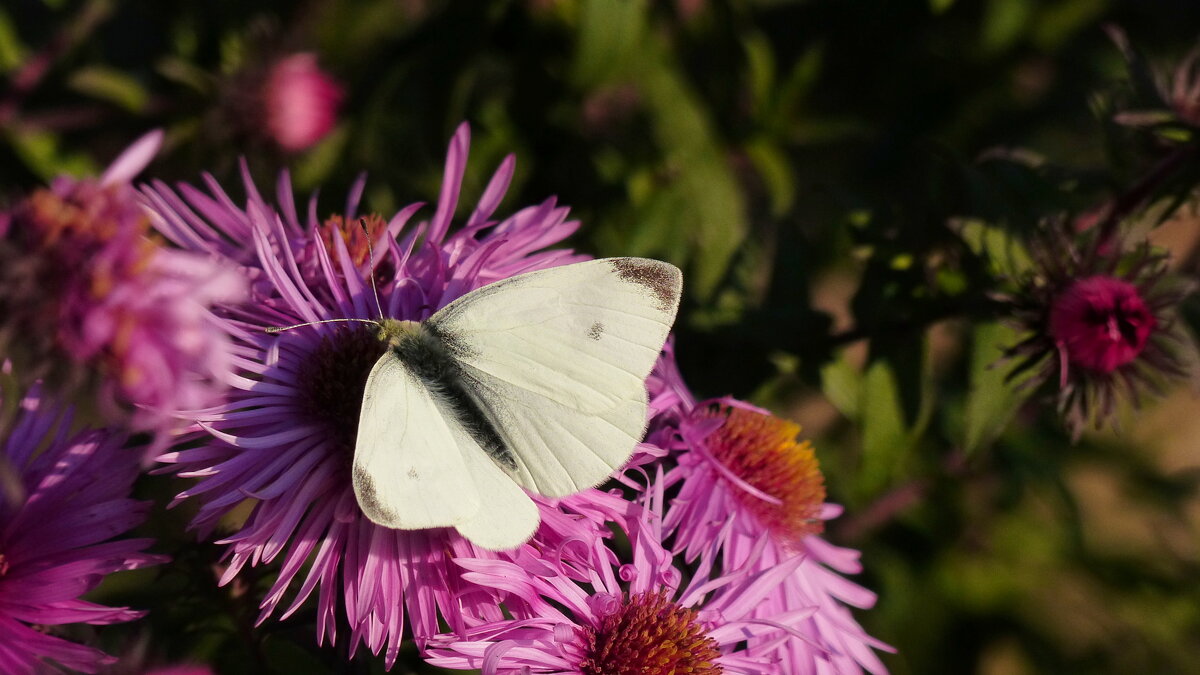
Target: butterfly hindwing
x=416 y=466
x=558 y=359
x=409 y=469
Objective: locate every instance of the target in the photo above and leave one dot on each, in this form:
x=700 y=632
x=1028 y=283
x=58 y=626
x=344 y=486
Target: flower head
x=63 y=501
x=1100 y=321
x=749 y=495
x=612 y=617
x=286 y=438
x=300 y=102
x=87 y=285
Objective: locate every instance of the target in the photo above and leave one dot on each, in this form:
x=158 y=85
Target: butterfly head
x=393 y=331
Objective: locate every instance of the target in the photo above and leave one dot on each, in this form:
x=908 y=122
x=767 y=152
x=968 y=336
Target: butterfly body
x=536 y=382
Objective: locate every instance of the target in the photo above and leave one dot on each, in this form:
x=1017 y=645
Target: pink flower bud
x=1101 y=323
x=301 y=102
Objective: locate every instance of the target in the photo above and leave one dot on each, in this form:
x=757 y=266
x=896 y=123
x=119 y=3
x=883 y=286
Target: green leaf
x=609 y=36
x=1007 y=254
x=40 y=152
x=1004 y=22
x=776 y=171
x=841 y=383
x=110 y=85
x=321 y=159
x=885 y=436
x=940 y=6
x=12 y=50
x=991 y=401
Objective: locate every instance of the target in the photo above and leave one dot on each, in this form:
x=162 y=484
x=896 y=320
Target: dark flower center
x=762 y=450
x=334 y=378
x=650 y=635
x=1101 y=323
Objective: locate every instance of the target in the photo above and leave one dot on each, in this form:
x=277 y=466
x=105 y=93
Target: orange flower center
x=762 y=450
x=359 y=234
x=76 y=227
x=650 y=635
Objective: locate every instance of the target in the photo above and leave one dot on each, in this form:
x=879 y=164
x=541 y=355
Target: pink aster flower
x=750 y=496
x=300 y=101
x=625 y=617
x=1100 y=324
x=64 y=498
x=285 y=440
x=86 y=284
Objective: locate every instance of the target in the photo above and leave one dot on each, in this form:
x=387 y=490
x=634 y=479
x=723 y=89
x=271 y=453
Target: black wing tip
x=662 y=279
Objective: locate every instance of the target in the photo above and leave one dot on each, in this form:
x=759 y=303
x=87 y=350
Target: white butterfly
x=534 y=382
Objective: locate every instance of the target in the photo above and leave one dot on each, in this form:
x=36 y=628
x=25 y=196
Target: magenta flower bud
x=1101 y=323
x=301 y=102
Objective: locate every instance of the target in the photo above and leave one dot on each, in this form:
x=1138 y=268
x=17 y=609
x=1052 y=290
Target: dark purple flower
x=64 y=498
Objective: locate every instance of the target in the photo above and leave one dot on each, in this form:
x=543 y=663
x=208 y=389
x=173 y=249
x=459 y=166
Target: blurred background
x=829 y=174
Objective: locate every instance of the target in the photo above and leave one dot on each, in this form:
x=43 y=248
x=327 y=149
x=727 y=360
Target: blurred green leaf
x=884 y=433
x=697 y=209
x=991 y=401
x=841 y=383
x=1059 y=21
x=940 y=6
x=1003 y=22
x=319 y=162
x=40 y=152
x=12 y=50
x=110 y=85
x=776 y=171
x=610 y=37
x=1005 y=253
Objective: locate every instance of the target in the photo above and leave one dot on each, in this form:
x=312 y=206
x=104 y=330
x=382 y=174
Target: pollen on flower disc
x=334 y=377
x=357 y=233
x=650 y=635
x=762 y=450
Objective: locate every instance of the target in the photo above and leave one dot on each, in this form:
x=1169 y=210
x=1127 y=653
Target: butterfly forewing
x=558 y=360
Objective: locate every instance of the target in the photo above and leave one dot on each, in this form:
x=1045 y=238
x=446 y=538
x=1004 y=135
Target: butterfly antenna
x=275 y=330
x=362 y=222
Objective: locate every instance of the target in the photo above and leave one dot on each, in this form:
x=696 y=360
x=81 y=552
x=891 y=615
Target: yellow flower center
x=763 y=451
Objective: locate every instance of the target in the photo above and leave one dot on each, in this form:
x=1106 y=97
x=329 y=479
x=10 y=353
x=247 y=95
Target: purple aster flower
x=1100 y=322
x=63 y=500
x=285 y=440
x=610 y=617
x=750 y=496
x=86 y=289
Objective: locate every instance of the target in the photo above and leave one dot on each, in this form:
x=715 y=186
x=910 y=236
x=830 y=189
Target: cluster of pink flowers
x=168 y=292
x=273 y=422
x=285 y=436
